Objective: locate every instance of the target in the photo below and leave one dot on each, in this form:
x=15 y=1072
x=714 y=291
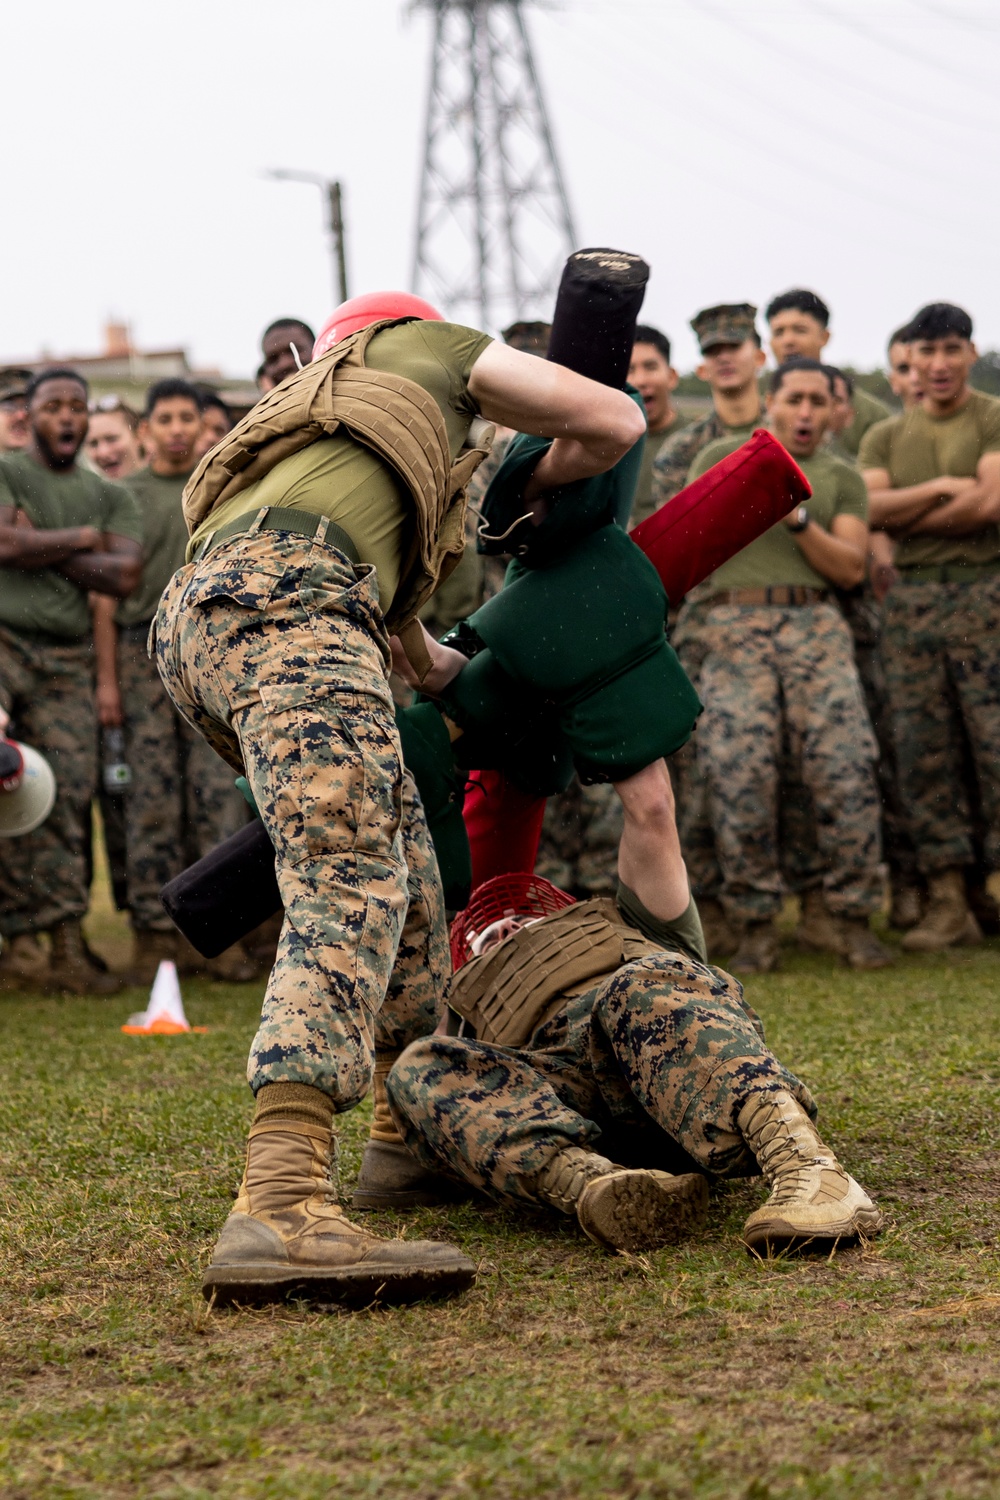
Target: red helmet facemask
x=357 y=312
x=516 y=895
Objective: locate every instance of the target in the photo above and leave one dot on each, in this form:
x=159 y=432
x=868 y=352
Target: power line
x=846 y=80
x=766 y=147
x=974 y=23
x=897 y=46
x=792 y=114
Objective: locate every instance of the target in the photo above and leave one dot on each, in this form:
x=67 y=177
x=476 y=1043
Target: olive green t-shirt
x=868 y=410
x=776 y=557
x=340 y=478
x=642 y=505
x=40 y=599
x=164 y=540
x=915 y=447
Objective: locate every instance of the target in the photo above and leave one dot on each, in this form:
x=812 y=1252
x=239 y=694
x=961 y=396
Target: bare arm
x=593 y=425
x=108 y=693
x=115 y=570
x=840 y=553
x=894 y=510
x=881 y=563
x=23 y=546
x=975 y=505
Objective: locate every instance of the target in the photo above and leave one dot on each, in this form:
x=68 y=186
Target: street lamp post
x=335 y=211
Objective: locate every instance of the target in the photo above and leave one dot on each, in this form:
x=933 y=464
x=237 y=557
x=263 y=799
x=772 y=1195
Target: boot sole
x=634 y=1211
x=778 y=1234
x=352 y=1286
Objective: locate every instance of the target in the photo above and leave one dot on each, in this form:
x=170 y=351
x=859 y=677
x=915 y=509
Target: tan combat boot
x=149 y=950
x=819 y=931
x=983 y=907
x=907 y=906
x=390 y=1176
x=24 y=962
x=758 y=949
x=287 y=1235
x=812 y=1197
x=233 y=966
x=862 y=949
x=70 y=970
x=720 y=939
x=948 y=919
x=619 y=1207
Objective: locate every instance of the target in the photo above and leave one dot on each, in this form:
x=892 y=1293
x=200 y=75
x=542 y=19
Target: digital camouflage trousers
x=273 y=647
x=775 y=677
x=181 y=801
x=651 y=1068
x=46 y=685
x=800 y=859
x=942 y=666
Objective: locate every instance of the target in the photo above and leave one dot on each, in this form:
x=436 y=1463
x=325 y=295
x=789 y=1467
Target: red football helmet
x=516 y=895
x=357 y=312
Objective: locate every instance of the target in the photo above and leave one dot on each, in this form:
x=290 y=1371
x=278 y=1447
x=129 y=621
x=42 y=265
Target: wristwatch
x=800 y=519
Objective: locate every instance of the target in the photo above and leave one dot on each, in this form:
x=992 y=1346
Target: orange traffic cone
x=164 y=1015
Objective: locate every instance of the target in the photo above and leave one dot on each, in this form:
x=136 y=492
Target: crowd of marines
x=258 y=599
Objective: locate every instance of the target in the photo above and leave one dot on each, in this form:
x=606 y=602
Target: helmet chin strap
x=297 y=357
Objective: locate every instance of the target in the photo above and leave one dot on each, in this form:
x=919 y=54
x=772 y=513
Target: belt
x=281 y=518
x=780 y=594
x=948 y=572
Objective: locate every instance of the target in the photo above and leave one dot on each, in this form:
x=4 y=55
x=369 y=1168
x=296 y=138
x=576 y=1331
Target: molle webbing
x=394 y=417
x=508 y=992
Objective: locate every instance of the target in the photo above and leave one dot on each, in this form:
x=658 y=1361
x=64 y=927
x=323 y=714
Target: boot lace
x=787 y=1169
x=567 y=1174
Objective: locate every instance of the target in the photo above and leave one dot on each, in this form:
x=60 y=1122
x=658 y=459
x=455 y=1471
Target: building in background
x=128 y=371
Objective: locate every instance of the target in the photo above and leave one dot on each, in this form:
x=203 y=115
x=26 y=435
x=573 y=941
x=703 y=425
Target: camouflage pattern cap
x=729 y=323
x=531 y=338
x=13 y=383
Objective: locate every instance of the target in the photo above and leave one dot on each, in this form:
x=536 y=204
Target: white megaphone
x=27 y=789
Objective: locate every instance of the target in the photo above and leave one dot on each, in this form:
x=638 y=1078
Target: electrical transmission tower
x=494 y=224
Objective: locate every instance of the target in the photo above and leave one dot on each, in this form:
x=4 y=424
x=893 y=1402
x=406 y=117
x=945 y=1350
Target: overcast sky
x=846 y=145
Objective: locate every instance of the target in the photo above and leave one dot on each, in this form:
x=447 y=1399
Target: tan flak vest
x=513 y=989
x=397 y=419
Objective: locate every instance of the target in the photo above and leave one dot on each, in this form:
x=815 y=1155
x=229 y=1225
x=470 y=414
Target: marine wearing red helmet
x=357 y=312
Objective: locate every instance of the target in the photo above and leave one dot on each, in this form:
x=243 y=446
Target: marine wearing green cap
x=728 y=323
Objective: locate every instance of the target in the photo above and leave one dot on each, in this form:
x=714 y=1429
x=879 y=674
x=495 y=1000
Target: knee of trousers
x=406 y=1083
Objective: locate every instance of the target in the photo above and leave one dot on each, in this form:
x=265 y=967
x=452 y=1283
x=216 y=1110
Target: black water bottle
x=117 y=772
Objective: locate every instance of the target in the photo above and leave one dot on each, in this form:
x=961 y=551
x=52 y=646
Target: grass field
x=565 y=1372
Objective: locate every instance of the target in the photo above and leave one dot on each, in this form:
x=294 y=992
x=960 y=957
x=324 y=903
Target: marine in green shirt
x=64 y=533
x=655 y=378
x=66 y=523
x=779 y=669
x=799 y=326
x=731 y=361
x=164 y=540
x=933 y=477
x=931 y=473
x=182 y=801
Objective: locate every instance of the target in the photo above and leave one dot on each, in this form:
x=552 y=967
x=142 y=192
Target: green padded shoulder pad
x=574 y=511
